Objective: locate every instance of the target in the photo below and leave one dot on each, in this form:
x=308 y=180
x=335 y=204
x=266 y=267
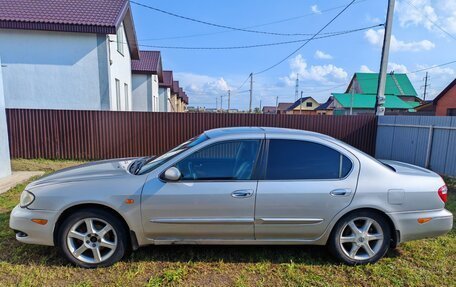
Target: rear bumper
x=407 y=223
x=30 y=232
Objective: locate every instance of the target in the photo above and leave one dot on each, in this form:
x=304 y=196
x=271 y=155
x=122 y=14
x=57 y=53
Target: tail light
x=443 y=193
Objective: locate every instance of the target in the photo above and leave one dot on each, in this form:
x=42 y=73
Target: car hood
x=89 y=171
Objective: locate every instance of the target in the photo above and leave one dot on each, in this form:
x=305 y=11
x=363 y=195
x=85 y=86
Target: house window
x=309 y=104
x=118 y=107
x=127 y=108
x=294 y=160
x=120 y=39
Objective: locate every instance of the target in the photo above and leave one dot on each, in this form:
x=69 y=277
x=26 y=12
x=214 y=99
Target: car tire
x=100 y=245
x=360 y=246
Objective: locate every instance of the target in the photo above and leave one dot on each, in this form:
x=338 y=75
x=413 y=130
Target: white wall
x=146 y=93
x=5 y=165
x=142 y=93
x=155 y=93
x=54 y=70
x=120 y=69
x=164 y=99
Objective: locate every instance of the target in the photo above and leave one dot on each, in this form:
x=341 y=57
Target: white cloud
x=375 y=37
x=408 y=15
x=319 y=73
x=322 y=55
x=423 y=12
x=315 y=9
x=365 y=69
x=397 y=68
x=373 y=20
x=202 y=89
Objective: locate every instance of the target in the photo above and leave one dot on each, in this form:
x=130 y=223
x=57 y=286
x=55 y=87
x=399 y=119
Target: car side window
x=295 y=159
x=230 y=160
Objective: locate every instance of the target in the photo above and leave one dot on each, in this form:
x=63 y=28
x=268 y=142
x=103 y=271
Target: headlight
x=26 y=198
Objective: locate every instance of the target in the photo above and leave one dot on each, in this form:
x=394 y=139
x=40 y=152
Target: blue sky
x=324 y=65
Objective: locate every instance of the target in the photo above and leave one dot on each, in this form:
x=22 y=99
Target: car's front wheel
x=360 y=237
x=92 y=238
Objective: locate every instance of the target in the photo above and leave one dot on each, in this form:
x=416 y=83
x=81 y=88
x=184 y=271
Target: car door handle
x=242 y=193
x=341 y=192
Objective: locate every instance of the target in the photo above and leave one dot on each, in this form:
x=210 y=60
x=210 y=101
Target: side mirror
x=172 y=174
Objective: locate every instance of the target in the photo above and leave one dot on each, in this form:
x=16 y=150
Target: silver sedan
x=235 y=186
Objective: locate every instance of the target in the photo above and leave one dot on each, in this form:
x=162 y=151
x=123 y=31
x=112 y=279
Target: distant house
x=303 y=106
x=396 y=84
x=269 y=110
x=283 y=107
x=326 y=108
x=72 y=54
x=365 y=104
x=147 y=72
x=182 y=101
x=445 y=102
x=360 y=95
x=165 y=89
x=426 y=109
x=175 y=101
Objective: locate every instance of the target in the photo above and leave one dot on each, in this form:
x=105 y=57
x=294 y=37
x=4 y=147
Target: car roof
x=230 y=131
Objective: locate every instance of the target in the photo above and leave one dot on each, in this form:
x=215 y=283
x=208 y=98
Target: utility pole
x=300 y=104
x=426 y=85
x=216 y=104
x=297 y=87
x=380 y=103
x=260 y=107
x=251 y=92
x=351 y=101
x=229 y=100
x=277 y=104
x=221 y=103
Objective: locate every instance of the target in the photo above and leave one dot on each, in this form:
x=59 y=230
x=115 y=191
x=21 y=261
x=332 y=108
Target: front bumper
x=30 y=232
x=407 y=223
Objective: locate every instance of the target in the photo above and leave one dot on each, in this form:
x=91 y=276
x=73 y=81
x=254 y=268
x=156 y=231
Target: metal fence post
x=429 y=146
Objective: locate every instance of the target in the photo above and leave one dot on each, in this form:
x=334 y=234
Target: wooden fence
x=88 y=135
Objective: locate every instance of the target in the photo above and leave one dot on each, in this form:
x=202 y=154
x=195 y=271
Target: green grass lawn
x=428 y=262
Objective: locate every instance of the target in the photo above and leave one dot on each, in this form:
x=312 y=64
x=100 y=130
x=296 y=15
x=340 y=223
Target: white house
x=5 y=166
x=73 y=54
x=147 y=73
x=165 y=90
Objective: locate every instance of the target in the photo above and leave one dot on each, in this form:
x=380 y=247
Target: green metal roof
x=363 y=101
x=396 y=84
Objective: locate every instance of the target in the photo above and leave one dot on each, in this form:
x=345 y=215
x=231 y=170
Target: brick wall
x=448 y=101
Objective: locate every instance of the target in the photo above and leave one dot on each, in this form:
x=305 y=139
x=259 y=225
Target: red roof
x=185 y=99
x=181 y=93
x=86 y=16
x=149 y=63
x=283 y=106
x=167 y=79
x=175 y=88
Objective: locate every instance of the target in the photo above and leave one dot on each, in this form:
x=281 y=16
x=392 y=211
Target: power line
x=431 y=21
x=310 y=39
x=333 y=34
x=220 y=25
x=432 y=67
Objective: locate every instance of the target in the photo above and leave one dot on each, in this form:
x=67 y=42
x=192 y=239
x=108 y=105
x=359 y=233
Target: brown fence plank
x=89 y=135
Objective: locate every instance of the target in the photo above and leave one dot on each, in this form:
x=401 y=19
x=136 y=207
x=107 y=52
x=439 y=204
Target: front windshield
x=156 y=162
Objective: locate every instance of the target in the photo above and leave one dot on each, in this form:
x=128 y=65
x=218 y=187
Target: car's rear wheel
x=92 y=238
x=360 y=237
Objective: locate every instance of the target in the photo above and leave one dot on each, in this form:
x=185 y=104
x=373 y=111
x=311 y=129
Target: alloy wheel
x=92 y=240
x=361 y=238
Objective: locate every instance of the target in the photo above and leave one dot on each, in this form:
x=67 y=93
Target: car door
x=214 y=199
x=306 y=182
